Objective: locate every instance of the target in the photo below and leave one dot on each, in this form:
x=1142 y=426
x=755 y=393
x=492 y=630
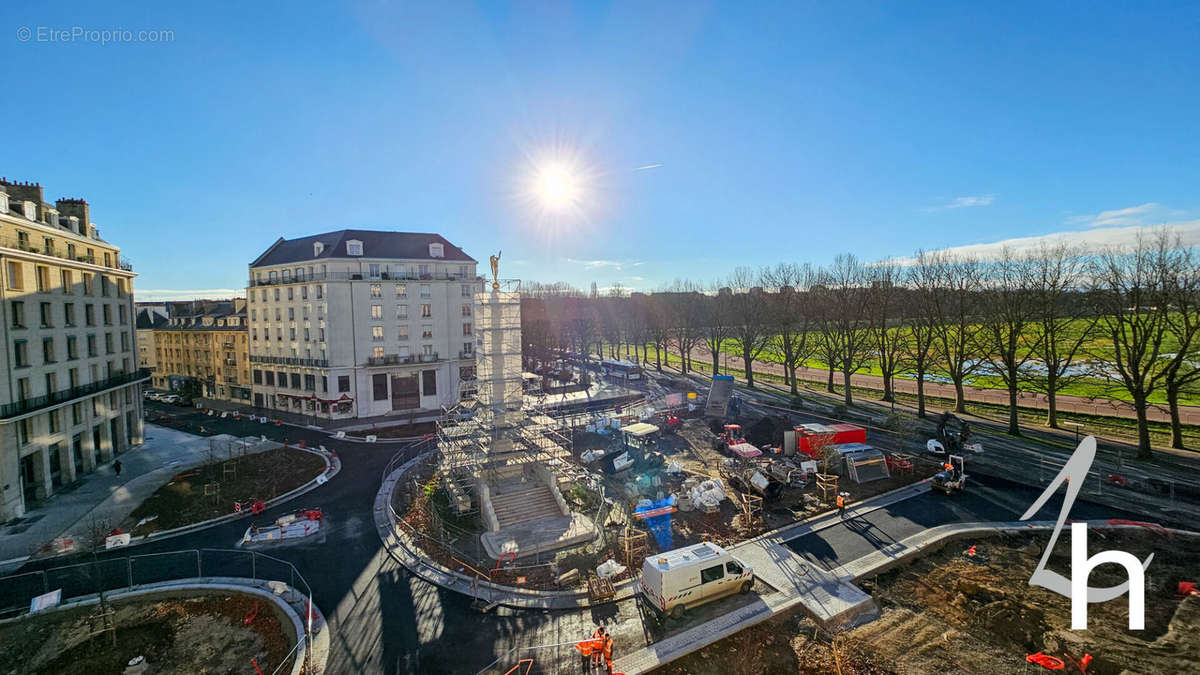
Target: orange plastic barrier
x=1046 y=661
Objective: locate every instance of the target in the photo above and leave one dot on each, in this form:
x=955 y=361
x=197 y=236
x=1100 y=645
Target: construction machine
x=750 y=478
x=953 y=435
x=953 y=477
x=731 y=435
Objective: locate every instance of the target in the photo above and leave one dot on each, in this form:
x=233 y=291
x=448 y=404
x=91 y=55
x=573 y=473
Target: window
x=467 y=328
x=292 y=333
x=376 y=290
x=270 y=377
x=401 y=291
x=43 y=278
x=467 y=347
x=437 y=251
x=295 y=380
x=320 y=334
x=20 y=354
x=320 y=292
x=376 y=311
x=46 y=319
x=291 y=313
x=377 y=353
x=104 y=284
x=429 y=383
x=124 y=342
x=304 y=292
x=258 y=376
x=88 y=286
x=426 y=311
x=402 y=333
x=427 y=350
x=310 y=382
x=379 y=387
x=466 y=310
x=91 y=343
x=15 y=280
x=466 y=290
x=67 y=282
x=276 y=295
x=423 y=271
x=463 y=270
x=108 y=343
x=426 y=331
x=52 y=418
x=18 y=314
x=76 y=413
x=354 y=247
x=69 y=314
x=425 y=292
x=307 y=337
x=282 y=377
x=710 y=574
x=299 y=274
x=733 y=568
x=23 y=429
x=377 y=333
x=286 y=276
x=278 y=315
x=106 y=309
x=373 y=272
x=403 y=351
x=343 y=383
x=72 y=348
x=291 y=293
x=89 y=314
x=402 y=312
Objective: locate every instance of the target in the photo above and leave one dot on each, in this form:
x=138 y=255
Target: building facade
x=148 y=318
x=201 y=348
x=72 y=395
x=360 y=323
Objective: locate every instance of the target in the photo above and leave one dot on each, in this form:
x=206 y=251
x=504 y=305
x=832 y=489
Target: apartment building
x=148 y=318
x=360 y=323
x=71 y=397
x=201 y=349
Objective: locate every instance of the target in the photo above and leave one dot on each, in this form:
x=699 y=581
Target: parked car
x=172 y=399
x=149 y=394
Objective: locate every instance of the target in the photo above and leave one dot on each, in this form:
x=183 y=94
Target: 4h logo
x=1074 y=473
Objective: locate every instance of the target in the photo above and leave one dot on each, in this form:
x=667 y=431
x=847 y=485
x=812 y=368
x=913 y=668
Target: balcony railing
x=290 y=361
x=38 y=402
x=354 y=276
x=56 y=252
x=466 y=355
x=390 y=360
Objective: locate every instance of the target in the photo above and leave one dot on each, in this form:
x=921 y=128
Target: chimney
x=23 y=192
x=77 y=208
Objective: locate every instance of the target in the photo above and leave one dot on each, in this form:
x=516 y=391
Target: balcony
x=290 y=361
x=390 y=360
x=29 y=405
x=348 y=276
x=25 y=245
x=466 y=355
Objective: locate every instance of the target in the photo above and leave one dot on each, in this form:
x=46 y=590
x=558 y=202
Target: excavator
x=953 y=435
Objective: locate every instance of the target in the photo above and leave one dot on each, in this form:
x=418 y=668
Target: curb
x=401 y=547
x=320 y=643
x=333 y=466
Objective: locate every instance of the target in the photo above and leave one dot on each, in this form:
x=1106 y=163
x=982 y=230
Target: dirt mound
x=768 y=431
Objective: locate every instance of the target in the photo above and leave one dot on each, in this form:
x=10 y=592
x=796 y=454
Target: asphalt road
x=384 y=620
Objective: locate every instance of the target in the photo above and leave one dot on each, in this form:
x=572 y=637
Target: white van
x=679 y=580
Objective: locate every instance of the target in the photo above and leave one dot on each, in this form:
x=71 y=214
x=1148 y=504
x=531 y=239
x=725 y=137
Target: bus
x=622 y=370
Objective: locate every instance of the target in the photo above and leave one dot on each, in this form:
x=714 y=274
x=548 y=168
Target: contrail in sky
x=648 y=166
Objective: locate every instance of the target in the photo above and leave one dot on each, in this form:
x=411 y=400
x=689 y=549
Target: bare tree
x=790 y=318
x=884 y=315
x=849 y=317
x=714 y=328
x=919 y=347
x=686 y=319
x=954 y=304
x=1132 y=288
x=748 y=317
x=658 y=318
x=1183 y=322
x=1064 y=322
x=1009 y=311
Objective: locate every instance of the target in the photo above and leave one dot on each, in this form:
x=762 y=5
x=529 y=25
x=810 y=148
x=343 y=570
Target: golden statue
x=495 y=259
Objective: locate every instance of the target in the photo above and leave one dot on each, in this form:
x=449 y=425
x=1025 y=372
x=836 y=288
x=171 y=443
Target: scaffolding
x=490 y=435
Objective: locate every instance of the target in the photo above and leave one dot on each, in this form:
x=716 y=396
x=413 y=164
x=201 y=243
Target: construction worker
x=592 y=650
x=608 y=646
x=841 y=504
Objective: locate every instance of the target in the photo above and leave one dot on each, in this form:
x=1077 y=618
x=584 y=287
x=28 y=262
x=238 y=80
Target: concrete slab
x=539 y=536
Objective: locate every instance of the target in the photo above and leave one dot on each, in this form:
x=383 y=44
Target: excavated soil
x=204 y=634
x=949 y=612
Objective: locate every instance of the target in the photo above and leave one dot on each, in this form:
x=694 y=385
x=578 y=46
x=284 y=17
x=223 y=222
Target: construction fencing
x=110 y=574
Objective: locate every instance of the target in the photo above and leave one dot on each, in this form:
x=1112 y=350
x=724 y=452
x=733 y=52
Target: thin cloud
x=153 y=294
x=1188 y=231
x=1132 y=215
x=648 y=166
x=963 y=202
x=604 y=264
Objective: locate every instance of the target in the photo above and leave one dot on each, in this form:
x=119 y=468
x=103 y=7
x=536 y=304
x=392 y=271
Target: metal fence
x=108 y=574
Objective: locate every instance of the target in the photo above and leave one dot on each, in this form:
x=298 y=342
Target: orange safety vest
x=587 y=647
x=841 y=501
x=608 y=645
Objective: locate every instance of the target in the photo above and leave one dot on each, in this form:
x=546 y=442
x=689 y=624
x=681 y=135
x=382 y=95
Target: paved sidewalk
x=67 y=515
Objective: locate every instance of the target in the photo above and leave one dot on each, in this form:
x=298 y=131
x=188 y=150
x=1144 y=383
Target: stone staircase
x=524 y=502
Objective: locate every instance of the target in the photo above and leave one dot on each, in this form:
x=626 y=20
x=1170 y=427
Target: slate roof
x=376 y=244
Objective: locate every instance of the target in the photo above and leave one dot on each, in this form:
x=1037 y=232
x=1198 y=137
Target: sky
x=697 y=137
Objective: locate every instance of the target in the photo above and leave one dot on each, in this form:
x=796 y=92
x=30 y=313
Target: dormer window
x=31 y=210
x=437 y=251
x=3 y=202
x=53 y=218
x=318 y=247
x=354 y=247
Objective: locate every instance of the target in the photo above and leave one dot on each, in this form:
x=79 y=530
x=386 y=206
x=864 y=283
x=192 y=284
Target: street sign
x=46 y=600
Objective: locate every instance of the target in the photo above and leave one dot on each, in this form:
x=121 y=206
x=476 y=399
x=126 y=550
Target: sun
x=557 y=187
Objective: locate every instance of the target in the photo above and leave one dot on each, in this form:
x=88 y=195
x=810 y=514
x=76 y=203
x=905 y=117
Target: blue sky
x=785 y=133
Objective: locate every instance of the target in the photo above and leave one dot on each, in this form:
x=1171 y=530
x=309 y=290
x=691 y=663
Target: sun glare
x=557 y=187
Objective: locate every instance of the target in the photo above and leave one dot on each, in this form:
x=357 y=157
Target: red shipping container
x=828 y=434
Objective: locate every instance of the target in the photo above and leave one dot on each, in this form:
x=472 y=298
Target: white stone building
x=360 y=323
x=71 y=396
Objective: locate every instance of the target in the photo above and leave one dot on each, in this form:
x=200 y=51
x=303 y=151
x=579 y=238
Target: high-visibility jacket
x=841 y=501
x=608 y=645
x=588 y=647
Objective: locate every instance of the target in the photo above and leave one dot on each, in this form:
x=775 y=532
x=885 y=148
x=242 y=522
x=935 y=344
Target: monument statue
x=496 y=270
